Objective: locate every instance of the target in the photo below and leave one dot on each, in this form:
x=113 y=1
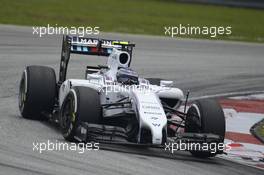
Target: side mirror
x=166 y=83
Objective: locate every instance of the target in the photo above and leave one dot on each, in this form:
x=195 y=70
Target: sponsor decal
x=151 y=107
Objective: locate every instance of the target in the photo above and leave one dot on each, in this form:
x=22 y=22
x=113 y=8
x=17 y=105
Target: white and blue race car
x=113 y=104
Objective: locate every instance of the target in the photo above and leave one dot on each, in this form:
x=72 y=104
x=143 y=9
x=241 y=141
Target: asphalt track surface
x=204 y=67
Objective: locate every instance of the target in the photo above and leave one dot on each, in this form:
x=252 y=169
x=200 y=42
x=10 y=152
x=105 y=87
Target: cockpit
x=127 y=76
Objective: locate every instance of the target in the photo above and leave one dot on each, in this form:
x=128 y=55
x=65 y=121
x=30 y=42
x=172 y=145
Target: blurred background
x=246 y=17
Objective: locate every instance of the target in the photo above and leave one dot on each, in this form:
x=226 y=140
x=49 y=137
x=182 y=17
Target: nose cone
x=151 y=114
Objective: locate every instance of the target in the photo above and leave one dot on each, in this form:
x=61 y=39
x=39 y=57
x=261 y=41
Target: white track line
x=227 y=95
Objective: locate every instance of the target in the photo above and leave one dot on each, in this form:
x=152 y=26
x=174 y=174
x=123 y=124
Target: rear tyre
x=205 y=116
x=37 y=92
x=82 y=104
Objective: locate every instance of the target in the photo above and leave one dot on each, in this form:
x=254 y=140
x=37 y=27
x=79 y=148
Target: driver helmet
x=127 y=76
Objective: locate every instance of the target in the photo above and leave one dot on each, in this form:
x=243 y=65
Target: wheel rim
x=22 y=93
x=68 y=114
x=193 y=124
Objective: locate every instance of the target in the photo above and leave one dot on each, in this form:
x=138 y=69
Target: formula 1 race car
x=113 y=104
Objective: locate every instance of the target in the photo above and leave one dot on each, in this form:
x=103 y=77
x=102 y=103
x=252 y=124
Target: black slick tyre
x=205 y=116
x=82 y=104
x=37 y=92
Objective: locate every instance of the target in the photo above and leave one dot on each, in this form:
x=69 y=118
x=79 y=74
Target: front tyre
x=205 y=116
x=82 y=104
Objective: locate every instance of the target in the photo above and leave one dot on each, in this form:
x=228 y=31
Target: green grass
x=134 y=16
x=260 y=130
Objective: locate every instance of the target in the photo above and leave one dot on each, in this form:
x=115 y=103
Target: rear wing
x=88 y=46
x=101 y=47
